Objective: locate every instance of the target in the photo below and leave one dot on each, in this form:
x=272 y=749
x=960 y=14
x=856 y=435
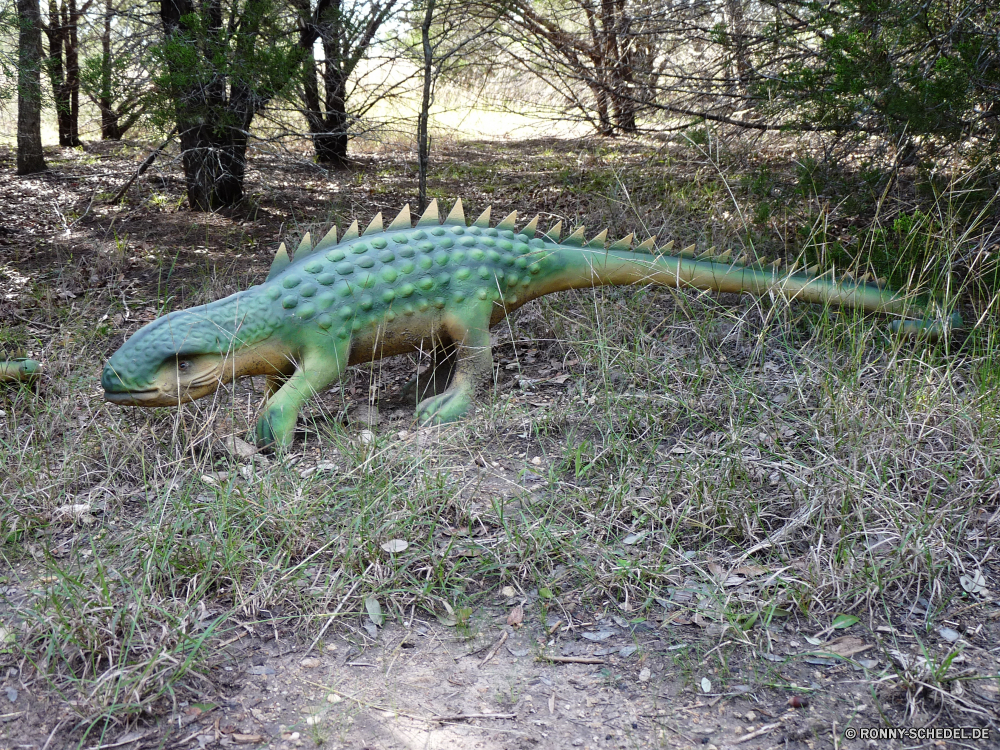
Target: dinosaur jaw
x=186 y=378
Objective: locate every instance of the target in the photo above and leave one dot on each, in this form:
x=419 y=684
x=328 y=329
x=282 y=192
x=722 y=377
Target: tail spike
x=668 y=248
x=376 y=225
x=430 y=216
x=647 y=246
x=707 y=255
x=725 y=257
x=882 y=282
x=598 y=241
x=402 y=220
x=351 y=233
x=280 y=262
x=576 y=239
x=793 y=268
x=509 y=222
x=743 y=259
x=531 y=228
x=484 y=219
x=555 y=232
x=865 y=278
x=776 y=263
x=329 y=240
x=812 y=270
x=687 y=252
x=456 y=217
x=625 y=243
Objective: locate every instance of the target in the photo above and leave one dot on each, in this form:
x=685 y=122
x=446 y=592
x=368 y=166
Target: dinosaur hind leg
x=444 y=355
x=473 y=366
x=318 y=369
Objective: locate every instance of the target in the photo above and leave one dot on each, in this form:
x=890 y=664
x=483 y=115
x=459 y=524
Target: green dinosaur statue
x=19 y=370
x=434 y=286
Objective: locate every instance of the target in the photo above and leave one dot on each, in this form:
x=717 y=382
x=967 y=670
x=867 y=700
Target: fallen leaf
x=846 y=646
x=374 y=611
x=395 y=545
x=706 y=685
x=974 y=584
x=841 y=622
x=516 y=616
x=247 y=739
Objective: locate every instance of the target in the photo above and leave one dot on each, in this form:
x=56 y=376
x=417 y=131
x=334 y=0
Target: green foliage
x=221 y=74
x=896 y=68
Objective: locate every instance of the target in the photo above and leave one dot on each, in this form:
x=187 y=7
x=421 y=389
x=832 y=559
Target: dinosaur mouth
x=127 y=398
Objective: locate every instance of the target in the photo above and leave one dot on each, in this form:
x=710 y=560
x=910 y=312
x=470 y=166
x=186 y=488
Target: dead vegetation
x=776 y=501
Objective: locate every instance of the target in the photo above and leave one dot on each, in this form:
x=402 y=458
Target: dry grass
x=736 y=463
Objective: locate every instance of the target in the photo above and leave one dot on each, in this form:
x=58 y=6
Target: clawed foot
x=448 y=407
x=275 y=429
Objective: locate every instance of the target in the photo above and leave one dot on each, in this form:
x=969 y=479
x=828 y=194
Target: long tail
x=13 y=370
x=591 y=266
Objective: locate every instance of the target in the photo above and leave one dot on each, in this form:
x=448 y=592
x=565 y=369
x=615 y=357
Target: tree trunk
x=214 y=164
x=110 y=130
x=73 y=73
x=65 y=75
x=423 y=141
x=213 y=153
x=30 y=158
x=330 y=139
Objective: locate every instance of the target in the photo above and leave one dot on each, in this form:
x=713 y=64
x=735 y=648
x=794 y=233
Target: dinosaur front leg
x=473 y=366
x=317 y=371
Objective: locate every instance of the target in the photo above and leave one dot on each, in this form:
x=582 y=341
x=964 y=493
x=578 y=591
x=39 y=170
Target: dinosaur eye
x=183 y=364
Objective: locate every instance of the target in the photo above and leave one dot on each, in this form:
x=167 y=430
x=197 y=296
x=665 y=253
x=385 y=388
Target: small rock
x=333 y=698
x=645 y=674
x=507 y=592
x=751 y=716
x=310 y=662
x=366 y=437
x=537 y=461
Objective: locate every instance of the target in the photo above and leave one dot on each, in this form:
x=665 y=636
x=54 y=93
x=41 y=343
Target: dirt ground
x=519 y=673
x=592 y=681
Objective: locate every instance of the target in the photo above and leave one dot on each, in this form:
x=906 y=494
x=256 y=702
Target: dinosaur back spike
x=305 y=247
x=707 y=254
x=625 y=243
x=531 y=228
x=430 y=217
x=351 y=233
x=280 y=262
x=328 y=241
x=812 y=270
x=647 y=246
x=376 y=225
x=598 y=241
x=402 y=220
x=725 y=257
x=456 y=217
x=555 y=232
x=575 y=239
x=510 y=222
x=668 y=248
x=484 y=219
x=687 y=252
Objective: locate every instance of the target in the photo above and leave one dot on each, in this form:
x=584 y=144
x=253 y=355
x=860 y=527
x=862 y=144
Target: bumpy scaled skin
x=19 y=370
x=435 y=287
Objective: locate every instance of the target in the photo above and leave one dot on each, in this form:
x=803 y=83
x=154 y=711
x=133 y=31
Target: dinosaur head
x=189 y=354
x=170 y=361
